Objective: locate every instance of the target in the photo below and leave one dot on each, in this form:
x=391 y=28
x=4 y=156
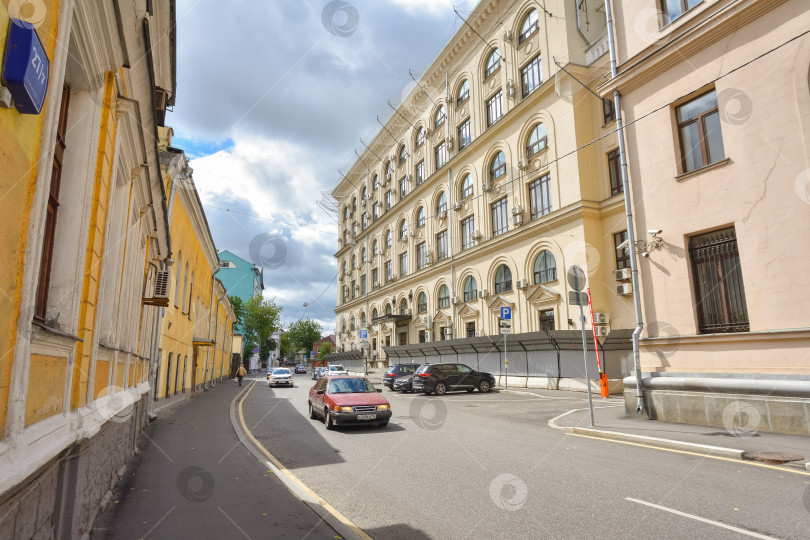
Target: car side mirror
x=319 y=392
x=379 y=390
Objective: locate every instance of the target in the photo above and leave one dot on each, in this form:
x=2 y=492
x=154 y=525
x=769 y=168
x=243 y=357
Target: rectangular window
x=375 y=279
x=547 y=320
x=622 y=253
x=672 y=9
x=354 y=290
x=494 y=109
x=608 y=111
x=467 y=232
x=701 y=138
x=719 y=289
x=363 y=284
x=376 y=210
x=421 y=336
x=441 y=155
x=441 y=246
x=403 y=264
x=389 y=200
x=614 y=173
x=420 y=172
x=421 y=256
x=540 y=197
x=389 y=273
x=471 y=329
x=403 y=187
x=531 y=76
x=500 y=217
x=464 y=137
x=365 y=220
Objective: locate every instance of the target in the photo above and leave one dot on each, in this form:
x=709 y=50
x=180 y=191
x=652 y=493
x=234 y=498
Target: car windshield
x=336 y=368
x=350 y=386
x=281 y=371
x=422 y=368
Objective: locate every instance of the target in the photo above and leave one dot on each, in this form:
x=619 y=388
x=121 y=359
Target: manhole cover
x=777 y=458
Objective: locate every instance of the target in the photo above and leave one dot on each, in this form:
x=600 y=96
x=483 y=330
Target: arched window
x=364 y=193
x=497 y=166
x=403 y=230
x=346 y=213
x=538 y=139
x=373 y=314
x=354 y=261
x=420 y=137
x=375 y=247
x=403 y=307
x=344 y=267
x=493 y=63
x=444 y=296
x=376 y=182
x=342 y=326
x=466 y=187
x=388 y=238
x=354 y=205
x=420 y=217
x=389 y=169
x=470 y=289
x=463 y=92
x=503 y=279
x=388 y=309
x=421 y=303
x=363 y=319
x=529 y=26
x=439 y=118
x=545 y=268
x=441 y=204
x=363 y=255
x=403 y=154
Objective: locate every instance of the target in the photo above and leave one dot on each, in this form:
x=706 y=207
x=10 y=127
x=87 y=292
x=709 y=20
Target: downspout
x=628 y=214
x=450 y=210
x=210 y=310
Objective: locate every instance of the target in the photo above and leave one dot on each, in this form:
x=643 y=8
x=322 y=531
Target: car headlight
x=343 y=409
x=383 y=407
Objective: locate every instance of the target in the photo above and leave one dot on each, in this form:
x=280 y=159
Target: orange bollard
x=603 y=384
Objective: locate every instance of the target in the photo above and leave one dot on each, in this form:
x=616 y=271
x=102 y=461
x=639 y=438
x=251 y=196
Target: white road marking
x=704 y=520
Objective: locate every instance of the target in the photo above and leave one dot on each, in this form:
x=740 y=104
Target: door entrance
x=403 y=338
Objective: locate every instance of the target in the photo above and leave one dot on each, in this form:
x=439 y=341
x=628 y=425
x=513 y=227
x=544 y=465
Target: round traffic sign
x=576 y=278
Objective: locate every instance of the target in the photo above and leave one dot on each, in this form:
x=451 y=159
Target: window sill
x=696 y=172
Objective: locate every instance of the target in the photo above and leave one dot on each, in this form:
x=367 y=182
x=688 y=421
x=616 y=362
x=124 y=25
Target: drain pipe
x=617 y=105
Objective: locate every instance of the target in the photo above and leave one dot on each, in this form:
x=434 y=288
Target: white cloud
x=433 y=8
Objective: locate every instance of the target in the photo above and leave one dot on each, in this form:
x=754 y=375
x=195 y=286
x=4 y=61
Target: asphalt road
x=488 y=466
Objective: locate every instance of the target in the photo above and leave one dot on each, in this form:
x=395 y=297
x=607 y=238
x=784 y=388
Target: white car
x=337 y=369
x=280 y=376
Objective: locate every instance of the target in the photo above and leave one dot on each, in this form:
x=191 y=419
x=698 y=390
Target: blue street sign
x=506 y=313
x=256 y=350
x=363 y=334
x=25 y=67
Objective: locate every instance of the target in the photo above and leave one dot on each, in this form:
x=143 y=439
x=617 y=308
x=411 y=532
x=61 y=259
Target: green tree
x=286 y=348
x=261 y=318
x=238 y=308
x=324 y=349
x=303 y=333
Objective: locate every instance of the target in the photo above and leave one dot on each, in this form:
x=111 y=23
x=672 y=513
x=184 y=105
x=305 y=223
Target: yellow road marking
x=329 y=508
x=736 y=461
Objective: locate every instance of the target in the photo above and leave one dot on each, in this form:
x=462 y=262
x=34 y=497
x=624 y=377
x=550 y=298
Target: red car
x=346 y=399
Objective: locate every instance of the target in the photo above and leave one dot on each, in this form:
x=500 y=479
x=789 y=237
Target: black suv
x=397 y=371
x=440 y=378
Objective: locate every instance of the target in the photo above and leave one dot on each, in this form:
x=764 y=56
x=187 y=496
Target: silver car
x=280 y=376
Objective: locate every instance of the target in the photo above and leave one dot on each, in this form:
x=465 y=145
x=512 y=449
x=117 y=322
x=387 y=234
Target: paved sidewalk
x=195 y=479
x=744 y=443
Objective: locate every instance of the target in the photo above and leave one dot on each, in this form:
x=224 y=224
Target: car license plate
x=366 y=416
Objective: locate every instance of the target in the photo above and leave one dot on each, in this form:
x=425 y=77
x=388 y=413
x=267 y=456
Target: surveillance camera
x=654 y=232
x=645 y=254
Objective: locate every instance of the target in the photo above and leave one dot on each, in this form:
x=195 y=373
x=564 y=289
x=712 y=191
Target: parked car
x=344 y=399
x=337 y=369
x=395 y=371
x=441 y=378
x=318 y=372
x=280 y=376
x=403 y=383
x=300 y=368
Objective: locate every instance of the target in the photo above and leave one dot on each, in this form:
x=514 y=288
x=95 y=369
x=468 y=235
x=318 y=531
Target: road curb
x=345 y=528
x=695 y=448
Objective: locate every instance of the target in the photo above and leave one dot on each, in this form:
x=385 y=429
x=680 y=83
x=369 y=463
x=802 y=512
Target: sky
x=272 y=98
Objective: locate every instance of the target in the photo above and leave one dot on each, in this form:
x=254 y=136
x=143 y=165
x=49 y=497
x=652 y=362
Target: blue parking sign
x=506 y=313
x=363 y=334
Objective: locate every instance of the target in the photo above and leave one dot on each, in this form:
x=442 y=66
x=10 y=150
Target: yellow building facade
x=85 y=237
x=490 y=180
x=195 y=344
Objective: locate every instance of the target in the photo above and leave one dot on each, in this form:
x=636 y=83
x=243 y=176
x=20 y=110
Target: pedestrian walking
x=240 y=373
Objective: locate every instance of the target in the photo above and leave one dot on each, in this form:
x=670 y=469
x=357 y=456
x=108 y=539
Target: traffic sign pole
x=505 y=325
x=576 y=279
x=603 y=386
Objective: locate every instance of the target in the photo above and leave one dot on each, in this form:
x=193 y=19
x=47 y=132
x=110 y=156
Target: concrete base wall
x=615 y=386
x=739 y=414
x=61 y=500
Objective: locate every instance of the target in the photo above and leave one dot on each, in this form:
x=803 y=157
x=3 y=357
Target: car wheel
x=311 y=412
x=440 y=388
x=484 y=386
x=327 y=420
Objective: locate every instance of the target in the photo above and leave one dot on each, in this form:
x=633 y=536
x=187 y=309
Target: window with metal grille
x=531 y=76
x=719 y=289
x=503 y=279
x=547 y=320
x=467 y=232
x=616 y=186
x=540 y=197
x=494 y=108
x=500 y=217
x=441 y=246
x=545 y=268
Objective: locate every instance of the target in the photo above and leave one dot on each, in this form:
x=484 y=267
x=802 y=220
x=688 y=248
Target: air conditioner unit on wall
x=624 y=289
x=602 y=331
x=483 y=293
x=161 y=284
x=456 y=300
x=477 y=235
x=458 y=206
x=601 y=318
x=442 y=214
x=522 y=284
x=486 y=186
x=521 y=164
x=623 y=274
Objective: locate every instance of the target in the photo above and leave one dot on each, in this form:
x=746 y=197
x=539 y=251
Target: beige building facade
x=495 y=175
x=716 y=100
